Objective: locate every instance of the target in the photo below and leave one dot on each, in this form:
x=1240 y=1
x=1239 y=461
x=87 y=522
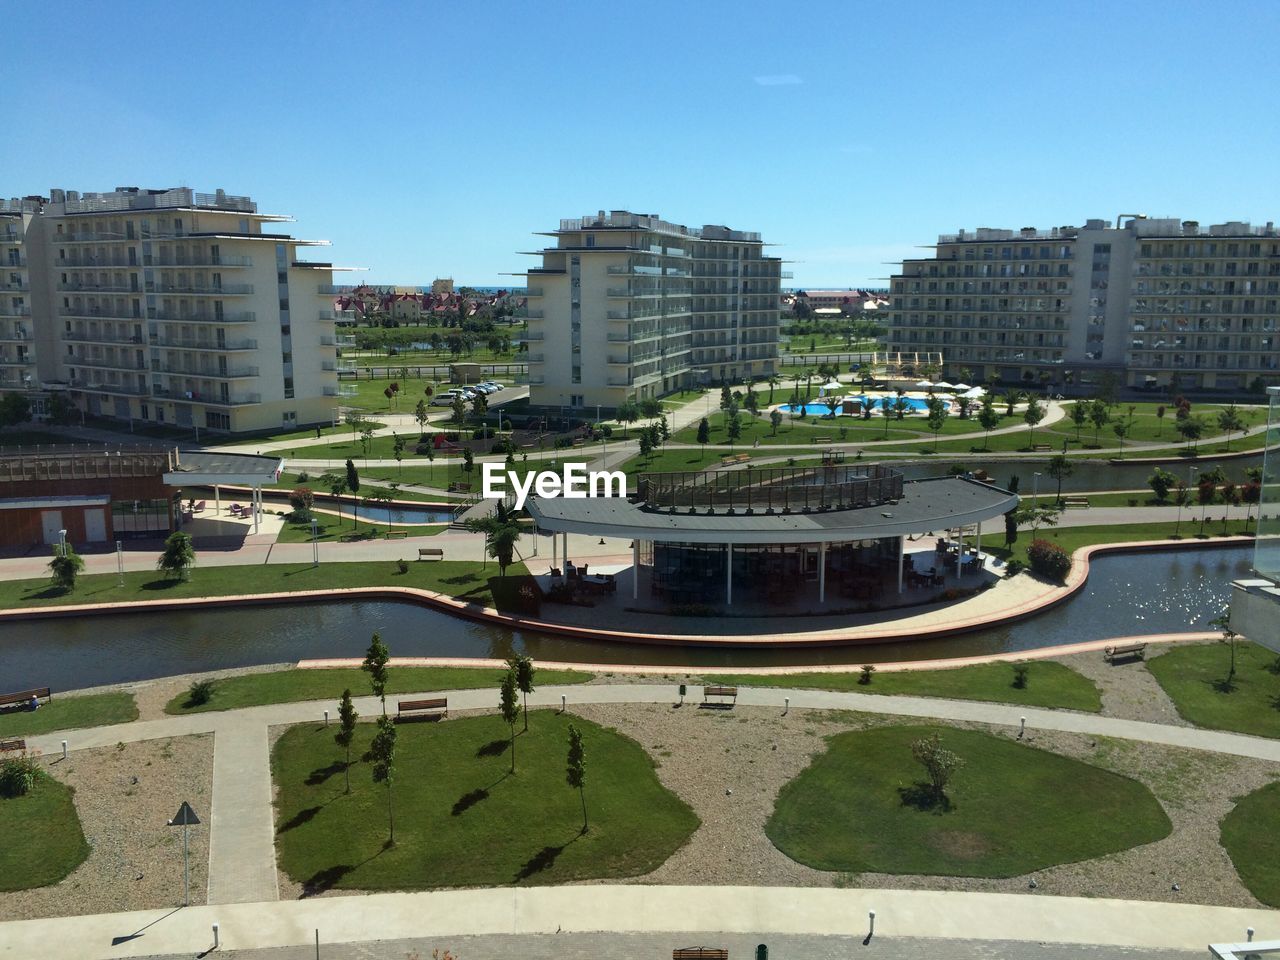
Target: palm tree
x=501 y=531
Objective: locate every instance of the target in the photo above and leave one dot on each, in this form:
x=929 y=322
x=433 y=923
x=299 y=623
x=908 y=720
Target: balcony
x=228 y=346
x=90 y=236
x=96 y=386
x=104 y=364
x=8 y=310
x=535 y=358
x=533 y=292
x=20 y=361
x=241 y=316
x=17 y=286
x=86 y=287
x=175 y=263
x=341 y=390
x=194 y=290
x=231 y=400
x=88 y=336
x=94 y=263
x=237 y=373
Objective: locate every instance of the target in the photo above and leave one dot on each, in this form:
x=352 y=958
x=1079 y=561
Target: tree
x=480 y=405
x=937 y=416
x=1181 y=498
x=59 y=409
x=1160 y=411
x=775 y=421
x=523 y=667
x=420 y=415
x=1161 y=482
x=1011 y=399
x=664 y=430
x=1206 y=490
x=1079 y=416
x=752 y=404
x=14 y=409
x=178 y=556
x=726 y=397
x=397 y=449
x=510 y=710
x=353 y=487
x=1191 y=429
x=1121 y=429
x=501 y=532
x=576 y=770
x=65 y=567
x=628 y=412
x=832 y=404
x=734 y=430
x=1230 y=638
x=651 y=407
x=1251 y=492
x=383 y=751
x=646 y=445
x=375 y=665
x=337 y=485
x=468 y=459
x=1229 y=421
x=1060 y=467
x=988 y=419
x=939 y=763
x=1011 y=528
x=704 y=434
x=459 y=407
x=1032 y=416
x=302 y=499
x=774 y=380
x=1100 y=416
x=347 y=717
x=366 y=439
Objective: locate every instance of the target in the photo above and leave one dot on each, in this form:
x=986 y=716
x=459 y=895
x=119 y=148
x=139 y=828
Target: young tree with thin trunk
x=1100 y=415
x=939 y=763
x=1079 y=416
x=1230 y=638
x=1060 y=467
x=353 y=487
x=704 y=434
x=510 y=705
x=775 y=421
x=375 y=664
x=988 y=419
x=347 y=718
x=523 y=666
x=383 y=750
x=1032 y=416
x=937 y=416
x=576 y=770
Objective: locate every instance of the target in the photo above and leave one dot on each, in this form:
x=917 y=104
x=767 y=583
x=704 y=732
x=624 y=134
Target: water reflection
x=1142 y=593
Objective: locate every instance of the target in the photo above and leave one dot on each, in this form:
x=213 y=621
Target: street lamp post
x=1035 y=503
x=62 y=543
x=315 y=543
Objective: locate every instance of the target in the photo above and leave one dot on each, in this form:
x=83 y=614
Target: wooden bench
x=457 y=486
x=1082 y=502
x=1135 y=650
x=820 y=440
x=1042 y=446
x=397 y=534
x=719 y=692
x=440 y=705
x=15 y=743
x=742 y=458
x=700 y=953
x=24 y=696
x=728 y=461
x=430 y=553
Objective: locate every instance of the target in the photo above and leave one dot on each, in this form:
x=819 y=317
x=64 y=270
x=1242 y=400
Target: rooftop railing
x=771 y=490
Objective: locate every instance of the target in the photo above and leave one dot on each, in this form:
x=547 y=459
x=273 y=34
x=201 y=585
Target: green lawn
x=462 y=819
x=43 y=841
x=293 y=479
x=860 y=807
x=329 y=431
x=461 y=579
x=291 y=686
x=1072 y=538
x=70 y=713
x=1194 y=676
x=1049 y=684
x=330 y=528
x=1251 y=836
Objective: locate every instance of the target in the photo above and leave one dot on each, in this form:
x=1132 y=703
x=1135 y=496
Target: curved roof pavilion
x=820 y=504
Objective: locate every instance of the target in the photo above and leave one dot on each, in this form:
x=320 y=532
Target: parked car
x=495 y=385
x=443 y=399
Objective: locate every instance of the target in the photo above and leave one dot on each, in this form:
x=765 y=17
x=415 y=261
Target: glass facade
x=1266 y=551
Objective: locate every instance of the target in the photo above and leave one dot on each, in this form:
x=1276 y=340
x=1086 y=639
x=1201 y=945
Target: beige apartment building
x=630 y=306
x=1159 y=303
x=167 y=307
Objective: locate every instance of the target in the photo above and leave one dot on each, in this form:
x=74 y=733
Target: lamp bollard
x=1022 y=727
x=871 y=932
x=562 y=707
x=215 y=934
x=326 y=718
x=64 y=749
x=786 y=705
x=1248 y=932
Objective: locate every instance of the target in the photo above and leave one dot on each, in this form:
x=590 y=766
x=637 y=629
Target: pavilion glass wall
x=777 y=573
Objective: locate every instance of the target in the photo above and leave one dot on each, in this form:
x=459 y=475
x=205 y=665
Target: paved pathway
x=242 y=862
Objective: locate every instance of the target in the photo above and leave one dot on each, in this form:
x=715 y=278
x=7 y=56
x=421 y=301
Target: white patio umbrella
x=961 y=387
x=924 y=385
x=833 y=385
x=974 y=393
x=943 y=385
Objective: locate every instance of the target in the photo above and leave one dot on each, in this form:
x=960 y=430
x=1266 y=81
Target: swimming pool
x=818 y=409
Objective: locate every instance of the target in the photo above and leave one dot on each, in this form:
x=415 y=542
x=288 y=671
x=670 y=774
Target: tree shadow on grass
x=166 y=584
x=1222 y=685
x=298 y=819
x=469 y=800
x=543 y=860
x=321 y=774
x=325 y=879
x=48 y=593
x=494 y=748
x=461 y=579
x=924 y=798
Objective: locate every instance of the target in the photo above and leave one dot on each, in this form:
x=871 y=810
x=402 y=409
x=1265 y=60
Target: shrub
x=1049 y=560
x=483 y=433
x=302 y=499
x=199 y=692
x=867 y=670
x=1013 y=568
x=18 y=776
x=402 y=566
x=1020 y=671
x=303 y=476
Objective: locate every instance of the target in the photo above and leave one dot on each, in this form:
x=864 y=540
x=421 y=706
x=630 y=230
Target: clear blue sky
x=431 y=139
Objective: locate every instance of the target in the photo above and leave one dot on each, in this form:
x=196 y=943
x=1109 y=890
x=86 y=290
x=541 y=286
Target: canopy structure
x=973 y=393
x=924 y=385
x=833 y=385
x=961 y=387
x=943 y=385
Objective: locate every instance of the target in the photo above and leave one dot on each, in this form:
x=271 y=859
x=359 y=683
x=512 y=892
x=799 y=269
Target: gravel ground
x=1129 y=691
x=135 y=861
x=752 y=752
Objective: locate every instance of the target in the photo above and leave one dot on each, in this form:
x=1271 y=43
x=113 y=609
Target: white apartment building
x=1157 y=302
x=630 y=306
x=168 y=307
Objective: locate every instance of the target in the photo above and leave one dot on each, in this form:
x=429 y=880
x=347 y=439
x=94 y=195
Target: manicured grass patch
x=70 y=713
x=1072 y=538
x=1194 y=675
x=1048 y=684
x=462 y=579
x=461 y=818
x=330 y=528
x=291 y=686
x=43 y=841
x=1013 y=808
x=1251 y=836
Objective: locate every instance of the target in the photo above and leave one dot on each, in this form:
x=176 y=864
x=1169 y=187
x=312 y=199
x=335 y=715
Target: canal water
x=1086 y=475
x=1169 y=591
